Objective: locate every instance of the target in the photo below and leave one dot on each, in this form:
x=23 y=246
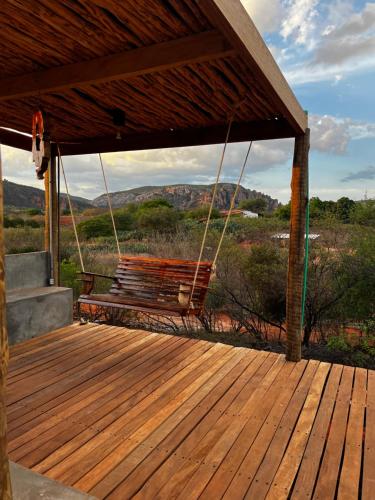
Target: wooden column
x=51 y=219
x=46 y=212
x=5 y=486
x=297 y=247
x=54 y=221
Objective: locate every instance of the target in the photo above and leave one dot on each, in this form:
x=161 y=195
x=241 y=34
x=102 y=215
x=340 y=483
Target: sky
x=326 y=50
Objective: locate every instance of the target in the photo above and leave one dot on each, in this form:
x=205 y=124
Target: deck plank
x=125 y=413
x=330 y=468
x=310 y=463
x=351 y=467
x=254 y=438
x=368 y=481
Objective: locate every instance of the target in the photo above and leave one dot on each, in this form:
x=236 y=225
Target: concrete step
x=34 y=311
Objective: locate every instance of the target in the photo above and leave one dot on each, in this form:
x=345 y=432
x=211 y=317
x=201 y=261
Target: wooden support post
x=297 y=247
x=54 y=221
x=46 y=212
x=5 y=485
x=51 y=219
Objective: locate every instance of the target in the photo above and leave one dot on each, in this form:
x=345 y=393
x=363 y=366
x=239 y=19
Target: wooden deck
x=122 y=413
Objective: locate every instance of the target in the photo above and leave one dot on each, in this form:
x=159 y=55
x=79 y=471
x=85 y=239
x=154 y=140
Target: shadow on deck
x=121 y=413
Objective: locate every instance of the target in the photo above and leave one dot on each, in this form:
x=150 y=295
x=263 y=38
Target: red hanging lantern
x=41 y=147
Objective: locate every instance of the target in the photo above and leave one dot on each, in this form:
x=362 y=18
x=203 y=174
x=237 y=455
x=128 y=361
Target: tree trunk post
x=299 y=201
x=46 y=212
x=5 y=485
x=51 y=220
x=54 y=221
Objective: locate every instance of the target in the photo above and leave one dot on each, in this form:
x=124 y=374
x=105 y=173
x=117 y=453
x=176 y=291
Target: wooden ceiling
x=177 y=68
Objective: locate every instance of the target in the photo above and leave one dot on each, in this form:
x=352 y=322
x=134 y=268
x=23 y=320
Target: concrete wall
x=26 y=270
x=33 y=308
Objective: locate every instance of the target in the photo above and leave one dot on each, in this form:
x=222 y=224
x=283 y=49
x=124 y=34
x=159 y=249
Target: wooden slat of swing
x=153 y=285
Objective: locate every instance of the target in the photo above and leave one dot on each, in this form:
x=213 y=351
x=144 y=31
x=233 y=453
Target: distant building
x=285 y=236
x=239 y=213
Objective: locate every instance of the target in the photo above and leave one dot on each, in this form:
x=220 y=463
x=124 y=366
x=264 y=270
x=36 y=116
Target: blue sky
x=326 y=49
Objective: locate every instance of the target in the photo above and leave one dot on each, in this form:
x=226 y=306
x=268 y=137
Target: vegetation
x=246 y=303
x=258 y=205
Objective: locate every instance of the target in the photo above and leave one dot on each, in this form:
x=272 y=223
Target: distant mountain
x=17 y=195
x=184 y=196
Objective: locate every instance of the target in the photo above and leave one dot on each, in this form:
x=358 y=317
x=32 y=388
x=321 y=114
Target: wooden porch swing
x=164 y=287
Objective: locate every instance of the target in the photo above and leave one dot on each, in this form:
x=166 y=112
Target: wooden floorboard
x=123 y=413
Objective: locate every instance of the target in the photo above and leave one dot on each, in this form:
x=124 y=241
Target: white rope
x=110 y=207
x=232 y=203
x=71 y=210
x=210 y=211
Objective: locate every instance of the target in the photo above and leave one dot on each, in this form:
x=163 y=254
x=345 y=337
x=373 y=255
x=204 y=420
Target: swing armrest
x=88 y=281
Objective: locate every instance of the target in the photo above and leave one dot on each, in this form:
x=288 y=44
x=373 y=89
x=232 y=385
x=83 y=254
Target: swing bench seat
x=152 y=285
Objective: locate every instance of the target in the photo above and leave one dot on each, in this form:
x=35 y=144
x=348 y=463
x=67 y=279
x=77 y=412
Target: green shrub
x=69 y=276
x=338 y=343
x=161 y=219
x=32 y=223
x=257 y=205
x=98 y=226
x=202 y=213
x=34 y=211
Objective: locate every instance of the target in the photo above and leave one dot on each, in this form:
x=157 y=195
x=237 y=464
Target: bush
x=69 y=276
x=364 y=213
x=34 y=211
x=161 y=219
x=32 y=223
x=98 y=226
x=156 y=203
x=201 y=213
x=258 y=205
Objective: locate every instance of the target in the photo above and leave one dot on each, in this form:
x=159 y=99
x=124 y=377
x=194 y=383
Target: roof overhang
x=205 y=60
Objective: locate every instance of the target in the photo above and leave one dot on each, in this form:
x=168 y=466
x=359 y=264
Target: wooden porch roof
x=177 y=68
x=126 y=413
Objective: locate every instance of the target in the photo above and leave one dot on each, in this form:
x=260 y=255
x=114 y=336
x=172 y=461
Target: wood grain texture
x=167 y=64
x=127 y=414
x=299 y=200
x=153 y=285
x=5 y=486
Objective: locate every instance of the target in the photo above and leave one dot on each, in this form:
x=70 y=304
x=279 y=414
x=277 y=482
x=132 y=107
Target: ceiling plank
x=240 y=132
x=231 y=18
x=162 y=56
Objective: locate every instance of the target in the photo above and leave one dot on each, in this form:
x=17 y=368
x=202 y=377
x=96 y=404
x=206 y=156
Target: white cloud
x=299 y=21
x=198 y=165
x=266 y=15
x=333 y=135
x=343 y=41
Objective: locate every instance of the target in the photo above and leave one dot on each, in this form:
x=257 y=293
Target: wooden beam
x=297 y=247
x=5 y=485
x=162 y=56
x=257 y=131
x=231 y=18
x=15 y=139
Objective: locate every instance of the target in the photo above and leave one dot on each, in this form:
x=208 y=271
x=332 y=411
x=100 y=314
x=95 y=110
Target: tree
x=257 y=205
x=95 y=227
x=364 y=213
x=162 y=219
x=283 y=212
x=254 y=285
x=155 y=203
x=344 y=208
x=201 y=213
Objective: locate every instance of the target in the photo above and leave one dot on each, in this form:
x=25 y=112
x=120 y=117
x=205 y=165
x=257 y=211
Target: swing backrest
x=161 y=281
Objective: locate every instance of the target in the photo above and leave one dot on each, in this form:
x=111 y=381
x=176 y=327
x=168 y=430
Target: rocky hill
x=17 y=195
x=184 y=196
